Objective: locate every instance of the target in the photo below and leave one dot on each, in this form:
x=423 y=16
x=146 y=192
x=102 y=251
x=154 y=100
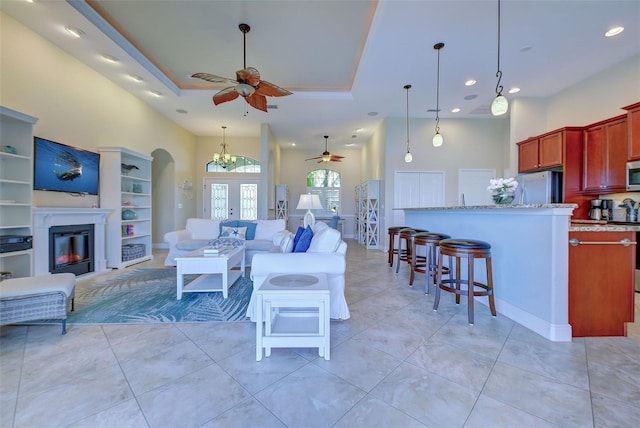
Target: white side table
x=295 y=311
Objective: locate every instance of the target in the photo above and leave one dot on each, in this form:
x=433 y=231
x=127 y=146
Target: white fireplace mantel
x=45 y=217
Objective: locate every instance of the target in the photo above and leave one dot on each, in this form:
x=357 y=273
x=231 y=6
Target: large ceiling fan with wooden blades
x=247 y=83
x=326 y=156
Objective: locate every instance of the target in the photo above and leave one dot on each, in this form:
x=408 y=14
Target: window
x=326 y=184
x=243 y=164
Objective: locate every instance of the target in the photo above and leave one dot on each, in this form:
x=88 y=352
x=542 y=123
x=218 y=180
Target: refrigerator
x=539 y=188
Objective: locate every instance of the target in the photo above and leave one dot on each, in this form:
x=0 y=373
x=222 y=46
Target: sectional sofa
x=260 y=236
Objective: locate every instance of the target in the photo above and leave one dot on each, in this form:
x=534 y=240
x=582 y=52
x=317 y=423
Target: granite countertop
x=500 y=207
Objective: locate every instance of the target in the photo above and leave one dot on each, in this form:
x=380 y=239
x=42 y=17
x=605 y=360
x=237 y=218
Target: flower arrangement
x=502 y=189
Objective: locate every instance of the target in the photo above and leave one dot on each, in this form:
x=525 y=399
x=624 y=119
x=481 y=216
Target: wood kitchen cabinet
x=601 y=283
x=633 y=131
x=605 y=156
x=542 y=152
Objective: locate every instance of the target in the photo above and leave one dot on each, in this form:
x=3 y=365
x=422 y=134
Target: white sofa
x=199 y=231
x=327 y=253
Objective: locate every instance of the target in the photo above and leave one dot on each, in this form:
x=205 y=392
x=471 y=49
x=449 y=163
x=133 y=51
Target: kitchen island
x=530 y=256
x=529 y=249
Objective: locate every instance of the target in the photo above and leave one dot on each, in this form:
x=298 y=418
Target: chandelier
x=223 y=158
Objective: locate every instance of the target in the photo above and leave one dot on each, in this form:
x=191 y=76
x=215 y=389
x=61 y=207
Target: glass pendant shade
x=499 y=106
x=245 y=90
x=408 y=157
x=437 y=140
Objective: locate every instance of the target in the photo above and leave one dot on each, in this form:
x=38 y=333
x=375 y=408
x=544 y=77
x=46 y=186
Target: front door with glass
x=235 y=199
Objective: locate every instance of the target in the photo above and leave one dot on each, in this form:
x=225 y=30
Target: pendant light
x=437 y=138
x=408 y=157
x=500 y=104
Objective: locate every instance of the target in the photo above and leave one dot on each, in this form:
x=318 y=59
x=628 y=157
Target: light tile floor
x=395 y=363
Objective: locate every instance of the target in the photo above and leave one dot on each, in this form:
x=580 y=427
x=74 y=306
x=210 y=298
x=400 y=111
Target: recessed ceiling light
x=359 y=129
x=372 y=113
x=614 y=31
x=29 y=1
x=136 y=78
x=110 y=58
x=350 y=144
x=293 y=144
x=76 y=32
x=471 y=97
x=526 y=48
x=181 y=111
x=514 y=90
x=354 y=136
x=455 y=110
x=156 y=93
x=470 y=82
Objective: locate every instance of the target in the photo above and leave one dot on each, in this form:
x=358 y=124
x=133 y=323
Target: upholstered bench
x=34 y=298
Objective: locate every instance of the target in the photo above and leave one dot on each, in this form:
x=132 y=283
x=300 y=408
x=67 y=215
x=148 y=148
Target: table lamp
x=309 y=202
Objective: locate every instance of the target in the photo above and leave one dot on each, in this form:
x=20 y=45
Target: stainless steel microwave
x=633 y=176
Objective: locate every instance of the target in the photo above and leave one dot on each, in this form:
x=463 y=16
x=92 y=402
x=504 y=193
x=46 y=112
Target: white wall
x=79 y=107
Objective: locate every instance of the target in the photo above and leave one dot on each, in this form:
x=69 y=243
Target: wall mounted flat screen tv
x=61 y=168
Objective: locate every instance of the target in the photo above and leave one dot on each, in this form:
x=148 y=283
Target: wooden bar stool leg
x=458 y=280
x=436 y=299
x=412 y=262
x=392 y=243
x=492 y=304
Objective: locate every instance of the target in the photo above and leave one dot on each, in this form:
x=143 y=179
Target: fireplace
x=71 y=249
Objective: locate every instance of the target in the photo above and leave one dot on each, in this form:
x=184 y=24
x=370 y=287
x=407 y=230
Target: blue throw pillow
x=304 y=241
x=227 y=223
x=251 y=229
x=296 y=238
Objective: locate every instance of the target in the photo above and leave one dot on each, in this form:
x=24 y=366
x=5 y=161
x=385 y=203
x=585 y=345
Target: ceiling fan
x=247 y=83
x=326 y=156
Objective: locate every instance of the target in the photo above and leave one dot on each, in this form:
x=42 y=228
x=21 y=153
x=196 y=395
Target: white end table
x=295 y=311
x=217 y=271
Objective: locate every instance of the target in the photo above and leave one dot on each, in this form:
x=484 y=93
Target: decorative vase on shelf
x=128 y=215
x=503 y=198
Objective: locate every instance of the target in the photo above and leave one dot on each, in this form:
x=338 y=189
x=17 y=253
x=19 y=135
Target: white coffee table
x=216 y=271
x=295 y=311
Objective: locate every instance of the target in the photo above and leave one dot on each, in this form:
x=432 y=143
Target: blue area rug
x=147 y=296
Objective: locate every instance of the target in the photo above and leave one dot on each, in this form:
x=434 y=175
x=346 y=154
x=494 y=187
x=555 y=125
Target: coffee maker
x=595 y=213
x=607 y=209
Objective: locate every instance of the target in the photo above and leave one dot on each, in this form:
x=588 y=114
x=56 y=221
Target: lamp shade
x=499 y=106
x=437 y=140
x=309 y=202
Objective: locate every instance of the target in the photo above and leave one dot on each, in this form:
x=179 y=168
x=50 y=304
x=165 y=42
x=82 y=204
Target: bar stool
x=393 y=233
x=431 y=241
x=405 y=255
x=470 y=249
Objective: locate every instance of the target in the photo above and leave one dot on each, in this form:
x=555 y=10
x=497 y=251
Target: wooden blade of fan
x=248 y=75
x=213 y=78
x=317 y=157
x=257 y=101
x=271 y=90
x=337 y=156
x=227 y=94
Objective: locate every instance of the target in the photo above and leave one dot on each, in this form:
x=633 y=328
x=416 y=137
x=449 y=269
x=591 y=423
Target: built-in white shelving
x=16 y=187
x=127 y=190
x=368 y=214
x=282 y=203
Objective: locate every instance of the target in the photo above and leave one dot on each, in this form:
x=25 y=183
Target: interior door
x=234 y=199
